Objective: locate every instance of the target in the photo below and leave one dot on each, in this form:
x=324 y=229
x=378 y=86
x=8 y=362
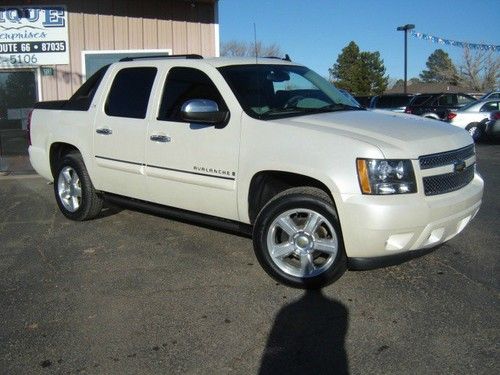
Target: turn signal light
x=451 y=115
x=364 y=180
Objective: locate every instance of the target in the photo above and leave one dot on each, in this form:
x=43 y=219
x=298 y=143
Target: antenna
x=255 y=41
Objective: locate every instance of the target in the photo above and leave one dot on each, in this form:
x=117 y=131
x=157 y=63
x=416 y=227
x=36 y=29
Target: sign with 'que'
x=33 y=35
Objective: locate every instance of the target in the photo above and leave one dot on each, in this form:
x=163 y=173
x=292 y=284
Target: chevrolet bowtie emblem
x=459 y=166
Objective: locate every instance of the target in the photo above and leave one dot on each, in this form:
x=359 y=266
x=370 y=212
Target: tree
x=344 y=71
x=361 y=73
x=235 y=48
x=372 y=72
x=480 y=70
x=414 y=81
x=440 y=69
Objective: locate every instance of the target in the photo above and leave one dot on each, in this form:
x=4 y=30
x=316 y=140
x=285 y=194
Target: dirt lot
x=134 y=293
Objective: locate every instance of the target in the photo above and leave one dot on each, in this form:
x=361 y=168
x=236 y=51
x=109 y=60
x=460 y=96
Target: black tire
x=89 y=202
x=293 y=204
x=475 y=130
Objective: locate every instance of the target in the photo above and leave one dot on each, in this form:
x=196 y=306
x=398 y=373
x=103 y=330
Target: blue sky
x=313 y=32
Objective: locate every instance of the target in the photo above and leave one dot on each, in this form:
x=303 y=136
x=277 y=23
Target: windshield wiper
x=339 y=107
x=272 y=112
x=334 y=107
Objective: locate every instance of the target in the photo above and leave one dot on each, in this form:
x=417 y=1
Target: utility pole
x=405 y=28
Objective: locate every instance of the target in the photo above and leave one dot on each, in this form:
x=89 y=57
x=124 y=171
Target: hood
x=398 y=136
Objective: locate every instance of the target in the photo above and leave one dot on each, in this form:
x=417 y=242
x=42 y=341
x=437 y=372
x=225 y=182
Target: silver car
x=471 y=115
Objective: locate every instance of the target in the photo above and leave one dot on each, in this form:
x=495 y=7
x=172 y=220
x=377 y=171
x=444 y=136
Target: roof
x=214 y=61
x=224 y=61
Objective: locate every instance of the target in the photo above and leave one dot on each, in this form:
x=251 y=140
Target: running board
x=178 y=214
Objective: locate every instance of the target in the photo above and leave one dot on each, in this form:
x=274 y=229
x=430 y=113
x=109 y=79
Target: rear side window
x=393 y=101
x=82 y=98
x=421 y=99
x=130 y=91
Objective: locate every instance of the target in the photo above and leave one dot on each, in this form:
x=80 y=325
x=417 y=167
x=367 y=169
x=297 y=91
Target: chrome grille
x=445 y=158
x=445 y=183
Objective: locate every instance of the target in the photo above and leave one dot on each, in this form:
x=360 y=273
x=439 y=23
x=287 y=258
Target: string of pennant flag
x=454 y=43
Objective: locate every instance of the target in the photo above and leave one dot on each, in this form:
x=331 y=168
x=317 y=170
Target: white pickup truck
x=266 y=145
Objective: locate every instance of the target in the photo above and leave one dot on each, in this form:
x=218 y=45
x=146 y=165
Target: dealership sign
x=33 y=35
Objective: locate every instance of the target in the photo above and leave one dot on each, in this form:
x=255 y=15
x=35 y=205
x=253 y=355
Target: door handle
x=160 y=138
x=104 y=131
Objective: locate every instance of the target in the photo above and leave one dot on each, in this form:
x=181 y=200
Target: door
x=191 y=165
x=120 y=131
x=18 y=95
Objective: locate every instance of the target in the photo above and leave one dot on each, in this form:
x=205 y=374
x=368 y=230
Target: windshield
x=276 y=91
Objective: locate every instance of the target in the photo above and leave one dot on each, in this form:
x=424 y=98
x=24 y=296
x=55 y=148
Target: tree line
x=364 y=73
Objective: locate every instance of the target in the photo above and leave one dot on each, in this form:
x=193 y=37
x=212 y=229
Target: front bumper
x=358 y=264
x=398 y=227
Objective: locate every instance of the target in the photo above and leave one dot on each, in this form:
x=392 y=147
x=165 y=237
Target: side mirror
x=204 y=111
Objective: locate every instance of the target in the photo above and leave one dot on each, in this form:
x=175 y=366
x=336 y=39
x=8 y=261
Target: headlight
x=383 y=176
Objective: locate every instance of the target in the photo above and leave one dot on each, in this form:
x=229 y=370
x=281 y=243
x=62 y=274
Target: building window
x=92 y=61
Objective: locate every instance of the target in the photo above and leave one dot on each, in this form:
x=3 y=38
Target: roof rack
x=188 y=56
x=286 y=58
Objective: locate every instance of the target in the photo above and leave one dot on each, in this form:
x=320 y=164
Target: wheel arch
x=431 y=115
x=265 y=184
x=57 y=151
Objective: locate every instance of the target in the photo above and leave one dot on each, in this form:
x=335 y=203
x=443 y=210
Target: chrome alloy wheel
x=302 y=242
x=69 y=189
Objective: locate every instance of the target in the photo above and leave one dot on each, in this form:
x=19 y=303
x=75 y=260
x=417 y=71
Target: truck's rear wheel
x=297 y=239
x=75 y=194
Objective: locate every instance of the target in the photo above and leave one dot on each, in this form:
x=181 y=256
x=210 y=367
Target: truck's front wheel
x=75 y=194
x=297 y=239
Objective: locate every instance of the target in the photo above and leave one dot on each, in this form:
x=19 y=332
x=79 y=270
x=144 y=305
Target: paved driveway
x=134 y=293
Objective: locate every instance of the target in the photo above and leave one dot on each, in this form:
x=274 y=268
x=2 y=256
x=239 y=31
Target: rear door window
x=130 y=91
x=447 y=100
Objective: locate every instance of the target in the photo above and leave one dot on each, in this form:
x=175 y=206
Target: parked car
x=391 y=102
x=268 y=148
x=437 y=106
x=364 y=100
x=470 y=116
x=492 y=126
x=491 y=95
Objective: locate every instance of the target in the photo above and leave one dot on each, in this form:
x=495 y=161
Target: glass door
x=18 y=94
